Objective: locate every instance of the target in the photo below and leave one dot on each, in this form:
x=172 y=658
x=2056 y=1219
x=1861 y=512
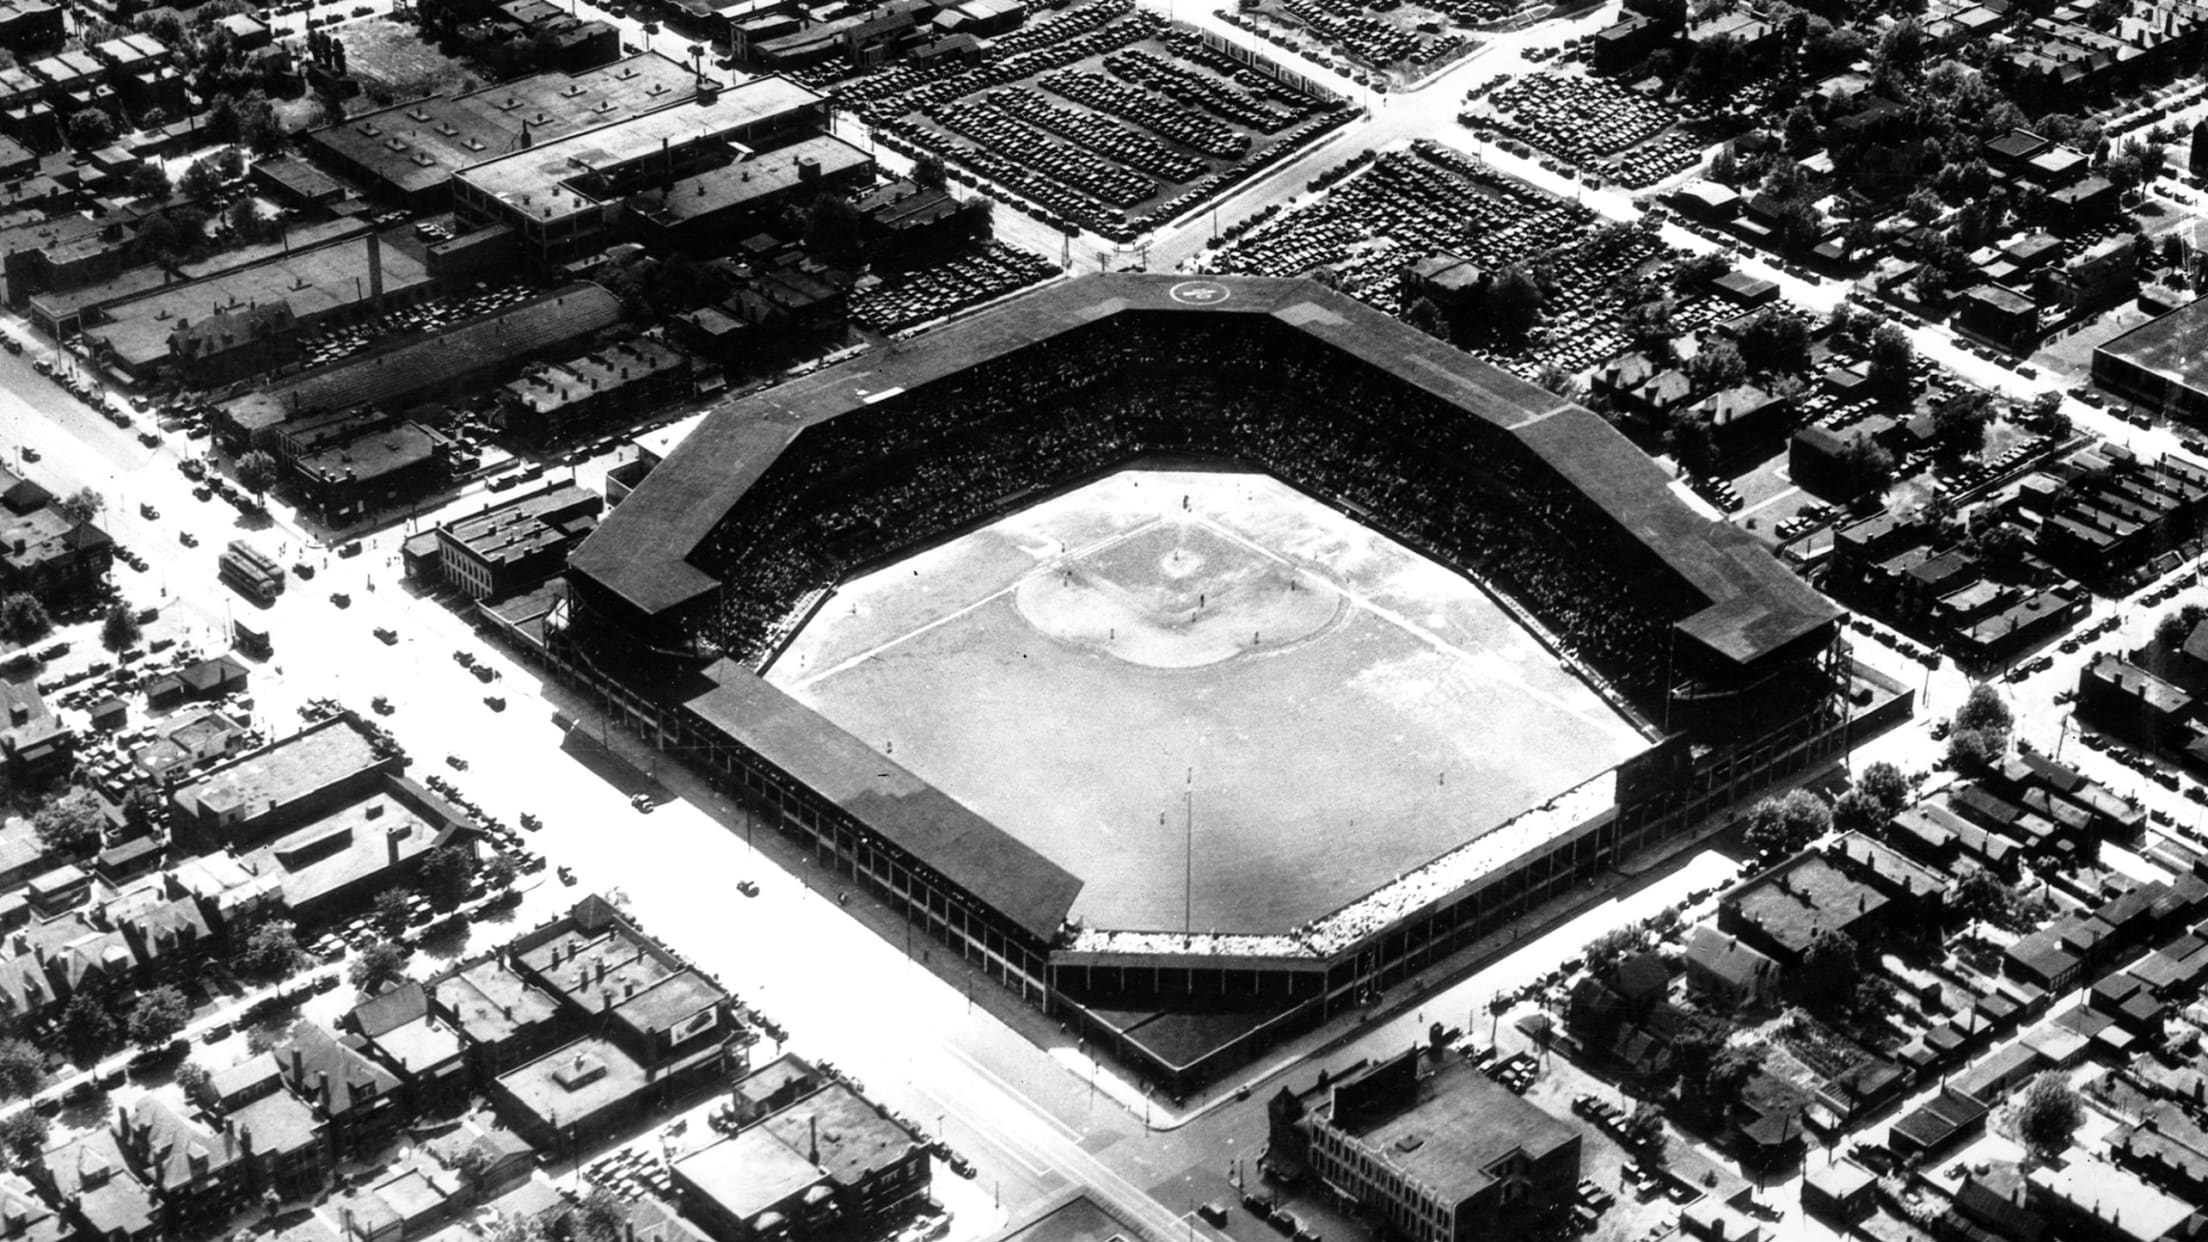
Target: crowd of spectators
x=881 y=478
x=1595 y=123
x=935 y=291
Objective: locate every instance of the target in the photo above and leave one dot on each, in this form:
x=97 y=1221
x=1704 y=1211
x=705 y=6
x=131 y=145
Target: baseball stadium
x=1198 y=658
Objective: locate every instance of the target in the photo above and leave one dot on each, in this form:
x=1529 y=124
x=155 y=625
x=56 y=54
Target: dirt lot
x=393 y=54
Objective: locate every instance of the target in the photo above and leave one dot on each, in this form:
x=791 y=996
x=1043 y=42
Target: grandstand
x=711 y=563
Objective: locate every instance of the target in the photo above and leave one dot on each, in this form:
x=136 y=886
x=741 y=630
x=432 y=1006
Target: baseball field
x=1219 y=702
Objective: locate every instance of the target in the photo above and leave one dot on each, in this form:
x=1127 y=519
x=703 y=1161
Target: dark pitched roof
x=983 y=859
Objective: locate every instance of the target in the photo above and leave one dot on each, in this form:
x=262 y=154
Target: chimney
x=298 y=1068
x=245 y=1140
x=375 y=271
x=392 y=836
x=322 y=1087
x=812 y=1138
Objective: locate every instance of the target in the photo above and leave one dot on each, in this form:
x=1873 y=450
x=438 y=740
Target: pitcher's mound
x=1178 y=595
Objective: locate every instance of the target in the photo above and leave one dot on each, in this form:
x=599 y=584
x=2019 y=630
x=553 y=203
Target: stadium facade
x=692 y=583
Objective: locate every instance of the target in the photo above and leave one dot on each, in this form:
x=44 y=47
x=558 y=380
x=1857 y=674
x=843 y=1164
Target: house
x=98 y=1192
x=198 y=1175
x=282 y=1139
x=355 y=1097
x=1722 y=966
x=397 y=1029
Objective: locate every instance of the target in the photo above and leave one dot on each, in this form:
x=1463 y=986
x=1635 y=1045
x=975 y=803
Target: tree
x=1976 y=750
x=271 y=951
x=1981 y=895
x=1830 y=967
x=1884 y=784
x=1855 y=811
x=22 y=1137
x=1865 y=466
x=1961 y=422
x=928 y=171
x=23 y=619
x=445 y=874
x=1984 y=708
x=1892 y=357
x=499 y=871
x=1643 y=1130
x=90 y=128
x=257 y=471
x=194 y=1078
x=119 y=629
x=1781 y=826
x=22 y=1068
x=81 y=505
x=1691 y=441
x=1513 y=302
x=1717 y=365
x=148 y=180
x=2047 y=1114
x=1605 y=951
x=1695 y=271
x=87 y=1028
x=599 y=1217
x=72 y=823
x=159 y=1014
x=1423 y=315
x=392 y=911
x=1775 y=342
x=378 y=966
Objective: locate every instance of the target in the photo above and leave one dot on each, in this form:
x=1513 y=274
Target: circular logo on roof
x=1199 y=293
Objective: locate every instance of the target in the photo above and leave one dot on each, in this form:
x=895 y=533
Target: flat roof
x=575 y=1082
x=538 y=180
x=2169 y=346
x=312 y=282
x=1450 y=1137
x=284 y=771
x=732 y=186
x=442 y=135
x=854 y=1139
x=389 y=376
x=748 y=1174
x=1755 y=606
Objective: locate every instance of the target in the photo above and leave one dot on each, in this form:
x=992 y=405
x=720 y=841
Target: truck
x=251 y=639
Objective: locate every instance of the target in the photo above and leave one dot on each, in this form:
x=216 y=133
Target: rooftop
x=1803 y=898
x=2169 y=346
x=282 y=772
x=1453 y=1133
x=748 y=1174
x=575 y=1082
x=438 y=137
x=391 y=376
x=855 y=1140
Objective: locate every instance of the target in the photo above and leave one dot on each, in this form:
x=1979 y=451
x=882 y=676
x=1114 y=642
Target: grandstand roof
x=640 y=554
x=981 y=858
